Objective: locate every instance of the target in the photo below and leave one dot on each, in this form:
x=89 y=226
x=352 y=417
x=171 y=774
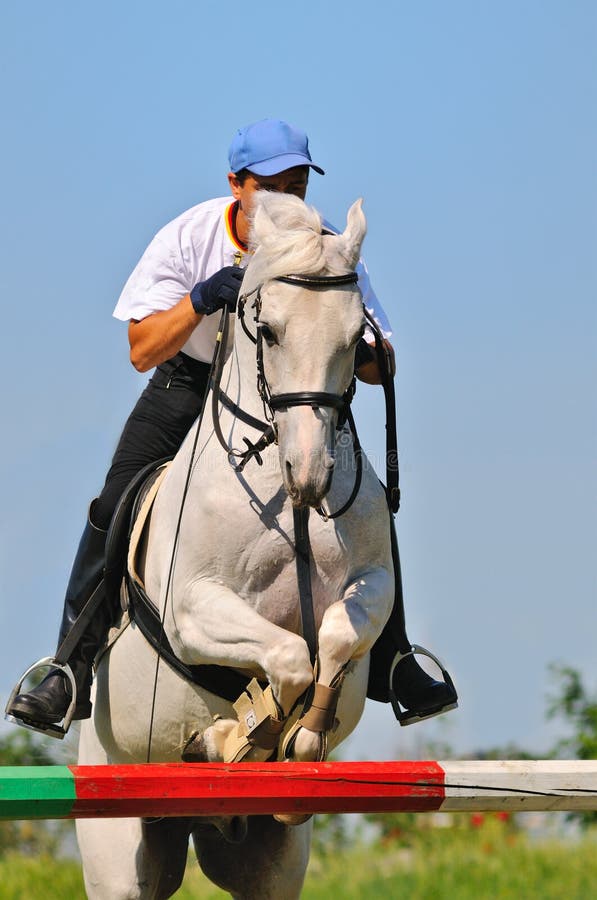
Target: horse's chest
x=250 y=547
x=266 y=575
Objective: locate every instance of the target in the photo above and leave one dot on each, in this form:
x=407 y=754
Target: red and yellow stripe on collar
x=230 y=219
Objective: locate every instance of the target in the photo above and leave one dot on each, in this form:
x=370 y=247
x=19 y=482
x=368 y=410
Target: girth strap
x=218 y=680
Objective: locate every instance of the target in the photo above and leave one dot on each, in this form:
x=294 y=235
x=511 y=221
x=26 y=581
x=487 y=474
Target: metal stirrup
x=57 y=731
x=406 y=717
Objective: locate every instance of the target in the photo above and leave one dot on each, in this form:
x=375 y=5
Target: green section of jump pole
x=36 y=792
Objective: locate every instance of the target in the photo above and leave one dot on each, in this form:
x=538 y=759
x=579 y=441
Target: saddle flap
x=118 y=533
x=144 y=504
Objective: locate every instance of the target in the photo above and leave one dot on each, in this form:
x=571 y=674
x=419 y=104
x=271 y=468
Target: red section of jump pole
x=213 y=789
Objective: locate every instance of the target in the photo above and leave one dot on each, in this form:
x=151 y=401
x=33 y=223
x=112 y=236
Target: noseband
x=314 y=399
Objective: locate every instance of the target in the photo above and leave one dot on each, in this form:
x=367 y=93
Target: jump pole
x=212 y=789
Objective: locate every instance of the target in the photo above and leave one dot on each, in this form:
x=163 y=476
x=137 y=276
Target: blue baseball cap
x=268 y=147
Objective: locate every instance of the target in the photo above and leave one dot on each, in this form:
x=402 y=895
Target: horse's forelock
x=286 y=238
x=274 y=213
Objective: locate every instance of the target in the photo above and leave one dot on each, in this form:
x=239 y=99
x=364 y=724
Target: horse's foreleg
x=348 y=630
x=351 y=626
x=216 y=626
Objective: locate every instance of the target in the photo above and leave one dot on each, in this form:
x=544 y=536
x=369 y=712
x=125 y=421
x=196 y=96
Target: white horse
x=232 y=597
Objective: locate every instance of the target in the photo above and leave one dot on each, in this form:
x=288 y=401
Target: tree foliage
x=24 y=748
x=573 y=703
x=577 y=706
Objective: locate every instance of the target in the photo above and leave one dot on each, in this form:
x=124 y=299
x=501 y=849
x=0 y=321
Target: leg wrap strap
x=319 y=718
x=321 y=714
x=260 y=723
x=259 y=716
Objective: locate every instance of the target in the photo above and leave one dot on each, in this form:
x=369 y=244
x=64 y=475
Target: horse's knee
x=289 y=670
x=346 y=633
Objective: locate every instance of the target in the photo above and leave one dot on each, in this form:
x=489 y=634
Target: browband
x=319 y=280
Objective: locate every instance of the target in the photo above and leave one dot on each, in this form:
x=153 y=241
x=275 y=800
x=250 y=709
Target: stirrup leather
x=260 y=723
x=410 y=716
x=54 y=730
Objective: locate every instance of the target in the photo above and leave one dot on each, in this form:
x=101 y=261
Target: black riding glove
x=219 y=290
x=364 y=353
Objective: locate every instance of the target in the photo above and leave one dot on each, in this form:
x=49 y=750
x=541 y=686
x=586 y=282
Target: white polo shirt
x=189 y=249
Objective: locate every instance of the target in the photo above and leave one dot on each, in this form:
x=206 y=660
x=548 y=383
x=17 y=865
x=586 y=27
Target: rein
x=271 y=404
x=269 y=433
x=392 y=485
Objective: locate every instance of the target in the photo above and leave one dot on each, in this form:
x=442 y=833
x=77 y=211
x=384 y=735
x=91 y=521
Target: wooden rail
x=211 y=789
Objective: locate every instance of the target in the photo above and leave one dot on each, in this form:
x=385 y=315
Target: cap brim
x=281 y=163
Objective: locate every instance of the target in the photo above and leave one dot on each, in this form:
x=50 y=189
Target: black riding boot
x=419 y=695
x=49 y=701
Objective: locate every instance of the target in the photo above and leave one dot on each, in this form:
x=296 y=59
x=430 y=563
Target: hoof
x=293 y=819
x=195 y=750
x=209 y=745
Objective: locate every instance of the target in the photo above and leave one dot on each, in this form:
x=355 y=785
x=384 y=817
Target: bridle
x=274 y=402
x=315 y=399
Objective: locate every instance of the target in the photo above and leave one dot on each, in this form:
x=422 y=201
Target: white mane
x=286 y=239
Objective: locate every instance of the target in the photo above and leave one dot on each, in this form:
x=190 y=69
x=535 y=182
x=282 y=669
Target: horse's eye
x=268 y=335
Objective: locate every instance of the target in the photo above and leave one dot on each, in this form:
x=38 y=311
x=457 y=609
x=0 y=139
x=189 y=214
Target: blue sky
x=469 y=129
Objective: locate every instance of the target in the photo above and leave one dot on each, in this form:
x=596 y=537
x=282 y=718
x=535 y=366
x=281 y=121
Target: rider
x=191 y=269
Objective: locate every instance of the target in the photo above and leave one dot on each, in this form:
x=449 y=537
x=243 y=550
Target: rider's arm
x=157 y=337
x=161 y=335
x=367 y=369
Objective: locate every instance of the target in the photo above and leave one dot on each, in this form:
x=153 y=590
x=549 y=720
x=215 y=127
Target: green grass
x=461 y=870
x=455 y=864
x=39 y=878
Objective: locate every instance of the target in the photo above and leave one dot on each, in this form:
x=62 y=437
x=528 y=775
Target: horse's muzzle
x=308 y=486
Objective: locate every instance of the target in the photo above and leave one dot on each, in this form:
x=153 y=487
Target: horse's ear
x=356 y=228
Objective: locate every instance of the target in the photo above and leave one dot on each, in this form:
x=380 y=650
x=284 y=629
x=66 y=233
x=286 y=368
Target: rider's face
x=291 y=181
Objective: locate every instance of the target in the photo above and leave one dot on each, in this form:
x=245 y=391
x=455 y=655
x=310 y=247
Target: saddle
x=125 y=538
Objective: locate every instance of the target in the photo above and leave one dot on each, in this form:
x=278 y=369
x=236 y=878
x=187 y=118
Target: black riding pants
x=156 y=427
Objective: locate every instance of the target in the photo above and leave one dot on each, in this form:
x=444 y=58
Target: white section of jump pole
x=520 y=785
